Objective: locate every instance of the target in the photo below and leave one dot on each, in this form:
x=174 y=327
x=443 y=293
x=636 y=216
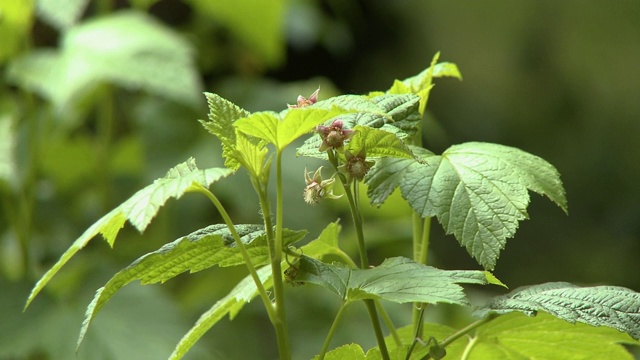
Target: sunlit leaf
x=396 y=279
x=478 y=191
x=378 y=143
x=611 y=306
x=15 y=25
x=60 y=14
x=138 y=209
x=516 y=336
x=348 y=351
x=197 y=251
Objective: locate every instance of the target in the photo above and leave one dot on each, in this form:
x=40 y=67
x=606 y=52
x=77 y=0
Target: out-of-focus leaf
x=138 y=209
x=16 y=18
x=61 y=14
x=349 y=351
x=7 y=145
x=255 y=23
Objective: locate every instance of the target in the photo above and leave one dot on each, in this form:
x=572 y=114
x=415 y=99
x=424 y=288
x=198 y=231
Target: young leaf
x=197 y=251
x=478 y=191
x=138 y=209
x=516 y=336
x=378 y=143
x=611 y=306
x=222 y=114
x=399 y=116
x=348 y=351
x=396 y=279
x=231 y=304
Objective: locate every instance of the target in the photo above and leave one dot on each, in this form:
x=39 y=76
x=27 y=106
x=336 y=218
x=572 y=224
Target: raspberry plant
x=477 y=191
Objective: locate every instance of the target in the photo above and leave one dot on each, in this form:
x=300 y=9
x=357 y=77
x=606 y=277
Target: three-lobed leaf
x=478 y=191
x=397 y=279
x=610 y=306
x=139 y=209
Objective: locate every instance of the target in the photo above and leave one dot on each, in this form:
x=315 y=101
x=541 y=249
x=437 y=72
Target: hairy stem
x=240 y=245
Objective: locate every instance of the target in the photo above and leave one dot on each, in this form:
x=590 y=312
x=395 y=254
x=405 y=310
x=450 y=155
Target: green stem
x=332 y=330
x=387 y=321
x=105 y=134
x=240 y=245
x=417 y=333
x=460 y=333
x=421 y=239
x=377 y=329
x=276 y=266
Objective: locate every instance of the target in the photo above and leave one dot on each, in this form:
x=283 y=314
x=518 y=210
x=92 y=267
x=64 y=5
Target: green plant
x=477 y=191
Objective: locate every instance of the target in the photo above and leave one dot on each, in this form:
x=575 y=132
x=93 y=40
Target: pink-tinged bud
x=303 y=101
x=356 y=166
x=333 y=136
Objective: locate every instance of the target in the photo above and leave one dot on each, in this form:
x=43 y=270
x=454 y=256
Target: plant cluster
x=477 y=191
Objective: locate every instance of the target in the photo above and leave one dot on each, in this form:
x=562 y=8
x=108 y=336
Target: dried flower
x=303 y=101
x=356 y=166
x=317 y=188
x=334 y=135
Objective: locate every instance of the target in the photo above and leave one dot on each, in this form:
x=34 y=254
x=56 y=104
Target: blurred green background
x=98 y=98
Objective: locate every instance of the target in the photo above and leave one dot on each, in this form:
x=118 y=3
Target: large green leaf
x=129 y=49
x=516 y=336
x=138 y=209
x=197 y=251
x=396 y=279
x=348 y=351
x=378 y=143
x=611 y=306
x=231 y=304
x=396 y=114
x=478 y=191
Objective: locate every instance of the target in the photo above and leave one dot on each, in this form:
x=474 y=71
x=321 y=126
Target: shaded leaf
x=231 y=304
x=396 y=279
x=611 y=306
x=202 y=249
x=139 y=209
x=478 y=191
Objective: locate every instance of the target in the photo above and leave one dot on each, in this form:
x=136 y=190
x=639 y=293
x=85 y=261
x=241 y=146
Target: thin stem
x=389 y=324
x=460 y=333
x=240 y=245
x=421 y=232
x=357 y=222
x=276 y=261
x=332 y=330
x=373 y=315
x=418 y=333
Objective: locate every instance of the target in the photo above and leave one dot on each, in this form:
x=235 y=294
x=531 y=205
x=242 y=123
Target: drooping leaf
x=516 y=336
x=195 y=252
x=396 y=279
x=611 y=306
x=478 y=191
x=231 y=304
x=222 y=114
x=348 y=351
x=139 y=209
x=399 y=116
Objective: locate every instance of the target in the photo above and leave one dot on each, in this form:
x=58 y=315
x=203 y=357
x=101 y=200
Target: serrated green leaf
x=326 y=243
x=269 y=126
x=195 y=252
x=516 y=336
x=222 y=114
x=611 y=306
x=378 y=143
x=478 y=191
x=396 y=279
x=399 y=116
x=344 y=352
x=139 y=209
x=231 y=304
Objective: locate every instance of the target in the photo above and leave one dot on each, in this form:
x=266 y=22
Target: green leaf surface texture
x=478 y=191
x=139 y=209
x=348 y=351
x=610 y=306
x=197 y=251
x=378 y=143
x=231 y=304
x=516 y=336
x=397 y=279
x=396 y=114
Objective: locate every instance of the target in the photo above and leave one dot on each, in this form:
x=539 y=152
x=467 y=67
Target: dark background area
x=558 y=79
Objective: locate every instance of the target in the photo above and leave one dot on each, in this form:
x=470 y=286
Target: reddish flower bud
x=303 y=101
x=333 y=136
